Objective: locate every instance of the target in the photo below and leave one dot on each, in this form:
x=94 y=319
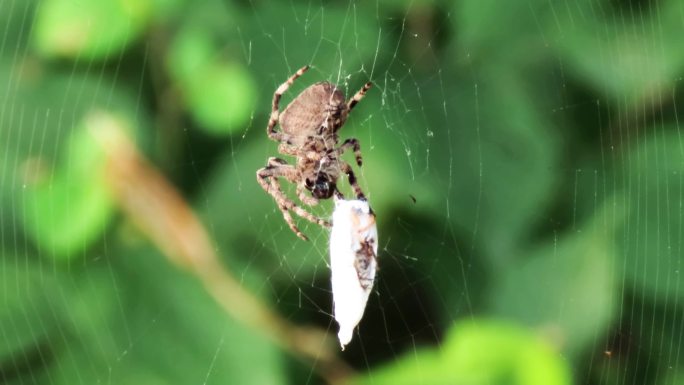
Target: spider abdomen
x=320 y=106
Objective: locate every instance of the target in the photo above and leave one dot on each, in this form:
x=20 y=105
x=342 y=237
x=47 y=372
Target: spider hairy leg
x=268 y=179
x=290 y=222
x=308 y=216
x=358 y=96
x=346 y=168
x=275 y=113
x=269 y=183
x=276 y=162
x=292 y=176
x=286 y=205
x=288 y=149
x=304 y=197
x=351 y=143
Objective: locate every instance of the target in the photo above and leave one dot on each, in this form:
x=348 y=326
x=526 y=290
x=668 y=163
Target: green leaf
x=219 y=93
x=27 y=316
x=190 y=50
x=485 y=26
x=566 y=287
x=191 y=330
x=68 y=210
x=334 y=40
x=671 y=376
x=651 y=238
x=630 y=55
x=133 y=318
x=164 y=9
x=507 y=159
x=89 y=29
x=221 y=97
x=478 y=352
x=52 y=172
x=14 y=21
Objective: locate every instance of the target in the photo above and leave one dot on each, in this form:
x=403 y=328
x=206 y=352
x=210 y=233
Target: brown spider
x=308 y=130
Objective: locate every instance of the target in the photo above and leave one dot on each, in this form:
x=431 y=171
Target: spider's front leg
x=358 y=96
x=351 y=143
x=311 y=154
x=288 y=149
x=346 y=168
x=305 y=197
x=268 y=179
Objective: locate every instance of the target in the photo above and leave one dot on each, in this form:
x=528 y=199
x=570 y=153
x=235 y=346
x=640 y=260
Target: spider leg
x=286 y=213
x=268 y=179
x=351 y=143
x=288 y=204
x=276 y=162
x=288 y=149
x=346 y=168
x=304 y=197
x=275 y=113
x=291 y=176
x=358 y=96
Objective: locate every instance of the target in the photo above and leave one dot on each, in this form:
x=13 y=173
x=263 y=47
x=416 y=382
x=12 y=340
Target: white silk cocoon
x=353 y=252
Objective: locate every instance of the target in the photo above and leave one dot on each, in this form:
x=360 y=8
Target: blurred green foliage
x=48 y=219
x=479 y=352
x=539 y=139
x=91 y=29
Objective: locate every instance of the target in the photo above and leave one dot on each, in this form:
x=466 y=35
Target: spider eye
x=323 y=189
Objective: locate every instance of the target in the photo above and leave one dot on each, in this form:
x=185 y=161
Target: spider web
x=524 y=161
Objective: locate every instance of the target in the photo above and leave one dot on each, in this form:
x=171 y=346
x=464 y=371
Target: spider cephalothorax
x=308 y=131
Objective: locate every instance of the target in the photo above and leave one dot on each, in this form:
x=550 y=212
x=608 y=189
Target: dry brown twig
x=158 y=210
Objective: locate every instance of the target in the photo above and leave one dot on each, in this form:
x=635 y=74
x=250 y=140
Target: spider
x=308 y=131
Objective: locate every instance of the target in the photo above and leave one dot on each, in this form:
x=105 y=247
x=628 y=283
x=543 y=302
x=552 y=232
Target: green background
x=524 y=158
